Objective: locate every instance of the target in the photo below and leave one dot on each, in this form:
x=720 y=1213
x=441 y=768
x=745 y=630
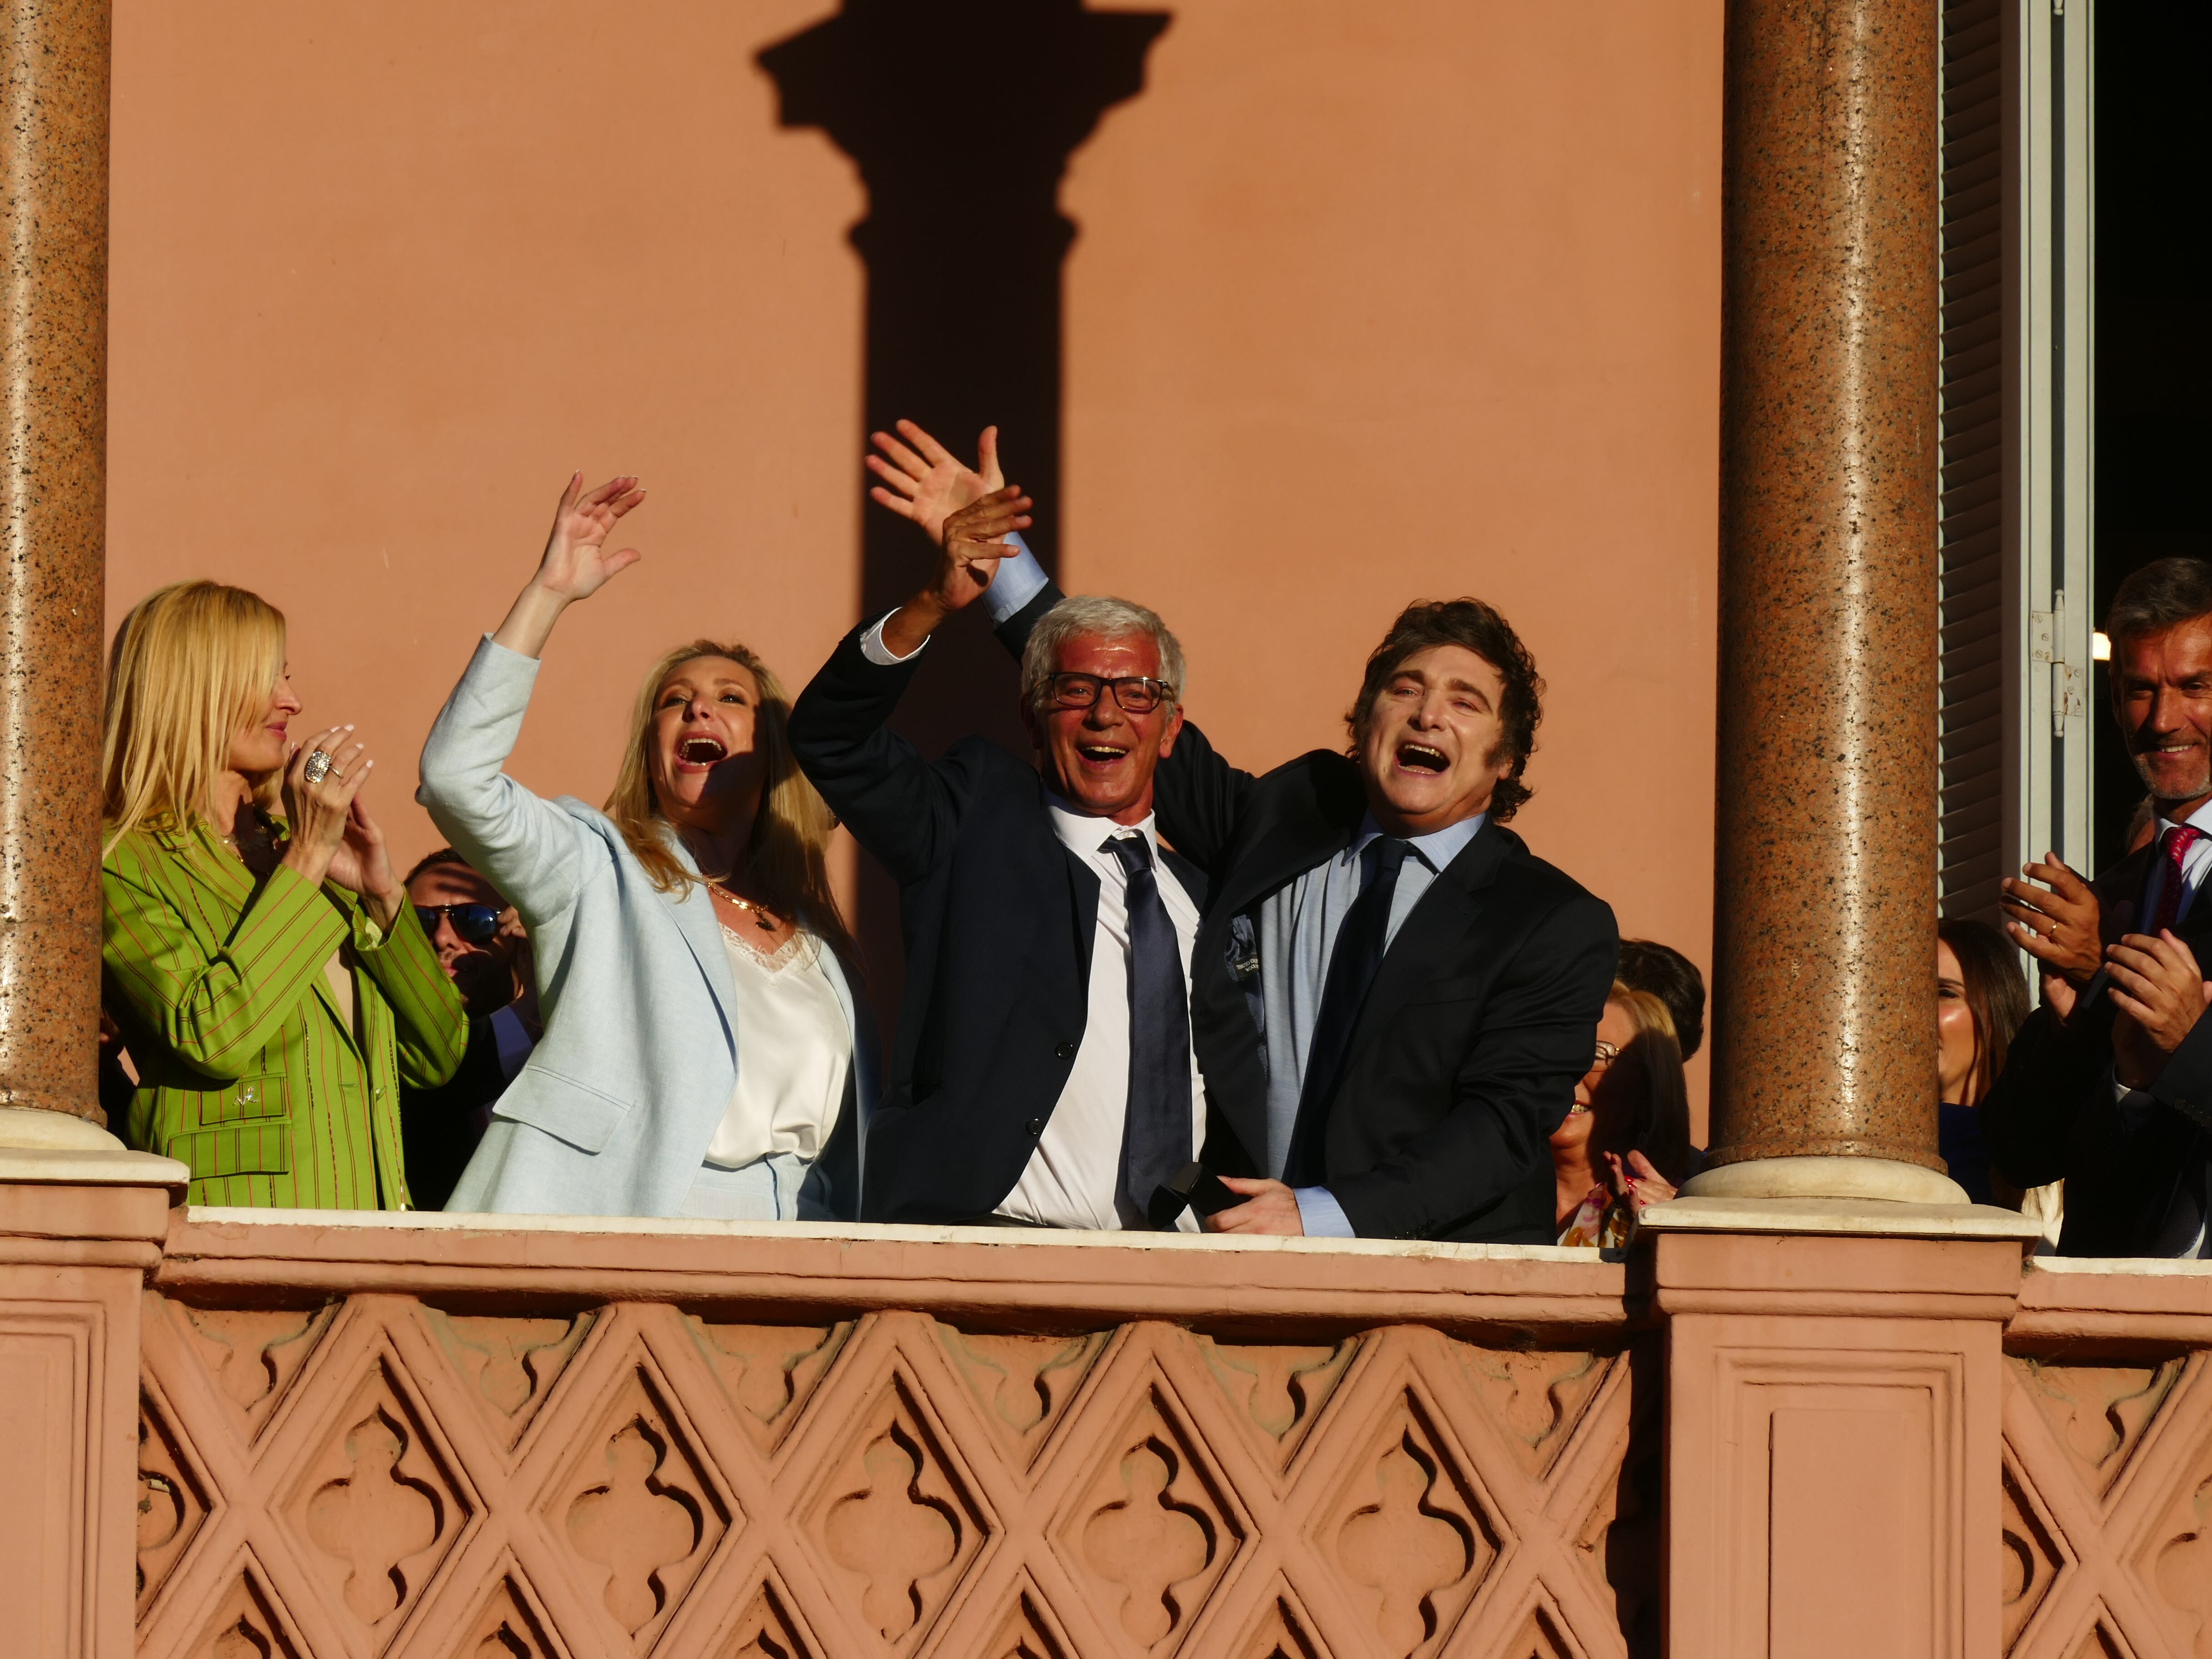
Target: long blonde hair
x=191 y=664
x=788 y=848
x=1664 y=1134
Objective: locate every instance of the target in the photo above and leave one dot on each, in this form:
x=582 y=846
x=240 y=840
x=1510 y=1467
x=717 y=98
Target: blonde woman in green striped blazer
x=273 y=986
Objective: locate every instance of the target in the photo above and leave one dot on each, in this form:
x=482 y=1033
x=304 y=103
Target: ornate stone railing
x=232 y=1435
x=455 y=1438
x=2108 y=1462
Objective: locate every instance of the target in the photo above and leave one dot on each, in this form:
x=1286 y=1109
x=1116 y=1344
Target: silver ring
x=318 y=767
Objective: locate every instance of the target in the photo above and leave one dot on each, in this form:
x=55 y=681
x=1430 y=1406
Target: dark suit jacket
x=2051 y=1114
x=1000 y=920
x=1481 y=1017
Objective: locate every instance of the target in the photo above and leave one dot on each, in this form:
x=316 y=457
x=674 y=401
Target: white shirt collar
x=1439 y=846
x=2200 y=819
x=1083 y=833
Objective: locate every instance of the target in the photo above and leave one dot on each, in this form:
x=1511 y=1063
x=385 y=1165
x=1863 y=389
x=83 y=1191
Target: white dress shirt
x=1073 y=1177
x=794 y=1051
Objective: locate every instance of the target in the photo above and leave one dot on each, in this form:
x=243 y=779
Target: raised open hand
x=2160 y=994
x=576 y=563
x=929 y=486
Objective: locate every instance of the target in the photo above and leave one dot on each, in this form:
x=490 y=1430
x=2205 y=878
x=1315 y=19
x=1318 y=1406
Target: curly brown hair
x=1481 y=629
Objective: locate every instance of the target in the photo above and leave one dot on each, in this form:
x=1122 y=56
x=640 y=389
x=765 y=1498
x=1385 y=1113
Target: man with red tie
x=2109 y=1085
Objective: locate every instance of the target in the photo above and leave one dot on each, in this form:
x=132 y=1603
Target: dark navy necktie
x=1352 y=968
x=1155 y=1136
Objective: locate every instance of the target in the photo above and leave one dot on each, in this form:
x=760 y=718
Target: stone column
x=53 y=374
x=1824 y=1070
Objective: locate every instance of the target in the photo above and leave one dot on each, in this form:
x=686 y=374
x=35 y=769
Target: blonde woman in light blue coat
x=707 y=1053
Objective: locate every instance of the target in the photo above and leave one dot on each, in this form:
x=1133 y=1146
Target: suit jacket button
x=1036 y=1126
x=1066 y=1051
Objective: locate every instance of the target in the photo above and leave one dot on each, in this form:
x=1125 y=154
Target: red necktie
x=2172 y=851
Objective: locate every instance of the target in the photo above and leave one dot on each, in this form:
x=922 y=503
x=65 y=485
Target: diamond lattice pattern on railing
x=379 y=1477
x=2107 y=1508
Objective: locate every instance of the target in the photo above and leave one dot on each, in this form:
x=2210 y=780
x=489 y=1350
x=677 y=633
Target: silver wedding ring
x=318 y=767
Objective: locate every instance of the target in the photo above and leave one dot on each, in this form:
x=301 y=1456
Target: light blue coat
x=613 y=1112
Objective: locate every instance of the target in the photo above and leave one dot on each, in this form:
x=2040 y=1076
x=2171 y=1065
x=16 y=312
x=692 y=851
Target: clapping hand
x=2057 y=923
x=928 y=487
x=2161 y=994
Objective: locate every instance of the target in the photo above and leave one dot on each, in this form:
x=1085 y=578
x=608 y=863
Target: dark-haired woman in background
x=1981 y=998
x=1625 y=1144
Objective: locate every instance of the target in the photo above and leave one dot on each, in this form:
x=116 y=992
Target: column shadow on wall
x=961 y=116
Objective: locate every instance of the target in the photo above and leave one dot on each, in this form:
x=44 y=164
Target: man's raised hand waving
x=973 y=541
x=925 y=483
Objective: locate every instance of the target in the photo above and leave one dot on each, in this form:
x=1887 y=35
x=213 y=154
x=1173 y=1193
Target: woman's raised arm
x=576 y=563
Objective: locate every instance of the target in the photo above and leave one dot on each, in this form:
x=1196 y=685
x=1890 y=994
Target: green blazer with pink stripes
x=248 y=1070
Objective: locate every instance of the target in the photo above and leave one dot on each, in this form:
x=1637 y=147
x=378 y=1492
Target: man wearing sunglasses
x=1043 y=1074
x=484 y=951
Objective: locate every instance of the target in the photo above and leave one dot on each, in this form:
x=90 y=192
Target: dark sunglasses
x=474 y=923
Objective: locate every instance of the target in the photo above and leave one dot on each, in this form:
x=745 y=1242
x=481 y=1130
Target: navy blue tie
x=1352 y=968
x=1155 y=1136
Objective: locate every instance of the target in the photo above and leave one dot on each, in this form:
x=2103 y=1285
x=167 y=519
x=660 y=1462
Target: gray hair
x=1100 y=617
x=2164 y=593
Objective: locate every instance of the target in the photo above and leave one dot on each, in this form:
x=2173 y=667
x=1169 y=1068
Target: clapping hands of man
x=968 y=512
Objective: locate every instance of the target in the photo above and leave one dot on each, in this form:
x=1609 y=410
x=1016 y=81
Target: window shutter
x=1970 y=725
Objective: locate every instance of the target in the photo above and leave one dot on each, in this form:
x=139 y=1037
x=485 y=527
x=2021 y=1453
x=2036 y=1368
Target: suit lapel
x=693 y=912
x=204 y=858
x=1440 y=919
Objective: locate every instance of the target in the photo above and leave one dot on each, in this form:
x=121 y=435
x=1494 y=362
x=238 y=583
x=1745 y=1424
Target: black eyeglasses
x=474 y=923
x=1138 y=694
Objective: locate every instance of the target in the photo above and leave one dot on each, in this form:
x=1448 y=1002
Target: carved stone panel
x=1408 y=1532
x=1023 y=1383
x=640 y=1510
x=770 y=1371
x=2098 y=1413
x=898 y=1524
x=252 y=1354
x=509 y=1365
x=245 y=1626
x=1533 y=1398
x=1278 y=1392
x=510 y=1626
x=766 y=1631
x=1152 y=1530
x=174 y=1499
x=377 y=1505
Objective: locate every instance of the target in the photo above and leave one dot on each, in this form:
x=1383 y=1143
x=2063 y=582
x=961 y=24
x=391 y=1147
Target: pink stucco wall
x=1366 y=303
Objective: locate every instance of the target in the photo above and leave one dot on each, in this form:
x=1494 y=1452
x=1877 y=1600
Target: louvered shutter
x=1971 y=729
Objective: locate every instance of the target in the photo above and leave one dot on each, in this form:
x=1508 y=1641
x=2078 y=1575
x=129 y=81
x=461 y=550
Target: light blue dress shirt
x=1298 y=926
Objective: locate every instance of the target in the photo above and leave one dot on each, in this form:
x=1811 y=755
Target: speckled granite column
x=53 y=369
x=1825 y=1039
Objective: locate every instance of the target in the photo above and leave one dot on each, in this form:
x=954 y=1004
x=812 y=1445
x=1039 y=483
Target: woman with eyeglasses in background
x=269 y=981
x=705 y=1052
x=1625 y=1144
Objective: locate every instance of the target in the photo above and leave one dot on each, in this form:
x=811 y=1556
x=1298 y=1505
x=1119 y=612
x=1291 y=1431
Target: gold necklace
x=767 y=921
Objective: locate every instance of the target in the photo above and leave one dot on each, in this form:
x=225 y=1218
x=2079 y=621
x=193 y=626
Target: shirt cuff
x=873 y=648
x=1020 y=580
x=1321 y=1215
